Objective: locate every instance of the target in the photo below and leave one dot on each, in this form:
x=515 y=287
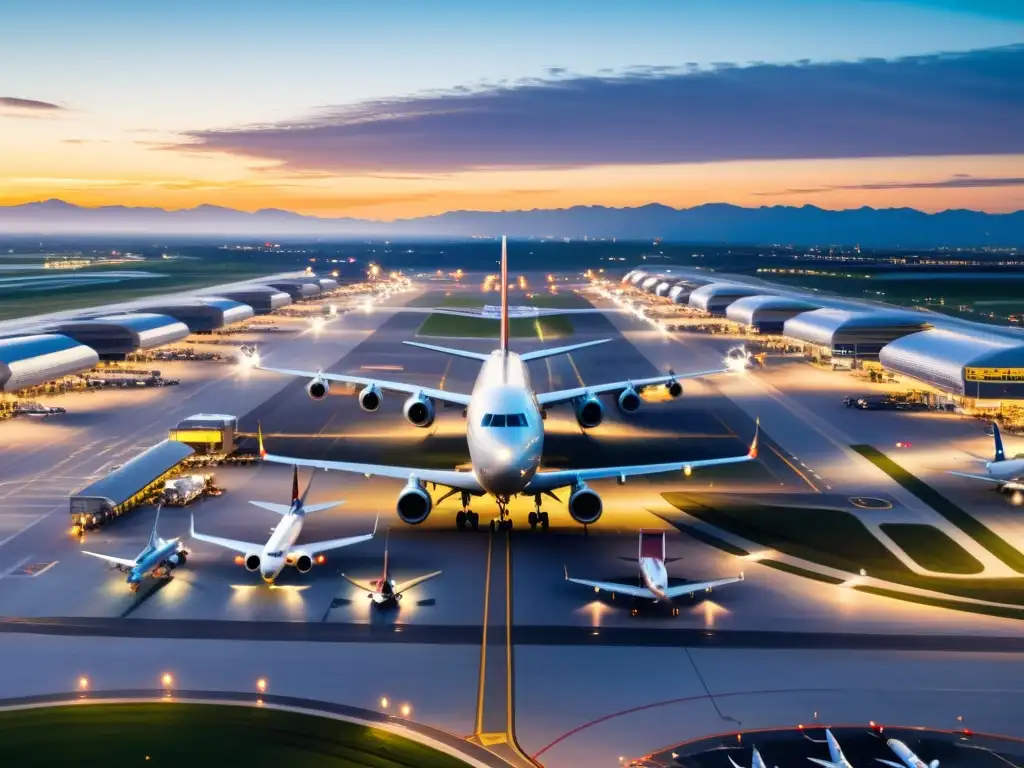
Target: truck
x=183 y=490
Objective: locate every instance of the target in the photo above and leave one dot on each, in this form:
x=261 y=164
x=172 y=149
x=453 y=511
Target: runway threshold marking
x=576 y=370
x=792 y=466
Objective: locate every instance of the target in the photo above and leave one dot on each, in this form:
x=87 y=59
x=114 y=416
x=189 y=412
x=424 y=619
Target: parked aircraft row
x=907 y=758
x=504 y=431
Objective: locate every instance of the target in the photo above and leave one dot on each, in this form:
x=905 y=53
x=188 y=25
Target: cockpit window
x=279 y=553
x=504 y=420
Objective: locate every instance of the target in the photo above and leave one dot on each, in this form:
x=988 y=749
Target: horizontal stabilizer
x=363 y=585
x=987 y=478
x=449 y=351
x=405 y=585
x=281 y=509
x=322 y=507
x=540 y=354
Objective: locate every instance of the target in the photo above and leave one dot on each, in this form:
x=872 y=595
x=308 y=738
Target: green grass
x=798 y=571
x=199 y=735
x=837 y=539
x=954 y=514
x=985 y=610
x=484 y=328
x=931 y=548
x=473 y=298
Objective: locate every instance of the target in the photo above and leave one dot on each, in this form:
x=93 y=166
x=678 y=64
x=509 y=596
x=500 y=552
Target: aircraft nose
x=268 y=576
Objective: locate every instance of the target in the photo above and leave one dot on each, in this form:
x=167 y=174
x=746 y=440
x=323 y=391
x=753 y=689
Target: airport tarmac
x=574 y=657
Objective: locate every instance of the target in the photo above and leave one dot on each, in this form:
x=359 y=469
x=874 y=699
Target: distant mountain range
x=711 y=223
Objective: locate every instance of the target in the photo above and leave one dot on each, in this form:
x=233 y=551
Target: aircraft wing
x=363 y=585
x=389 y=386
x=611 y=586
x=123 y=561
x=566 y=395
x=327 y=546
x=561 y=478
x=400 y=588
x=241 y=547
x=987 y=478
x=463 y=481
x=699 y=586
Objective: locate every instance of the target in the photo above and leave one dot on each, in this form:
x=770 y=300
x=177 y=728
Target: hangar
x=262 y=298
x=838 y=332
x=663 y=288
x=715 y=297
x=205 y=314
x=648 y=283
x=26 y=361
x=327 y=283
x=302 y=288
x=116 y=336
x=980 y=366
x=766 y=314
x=680 y=292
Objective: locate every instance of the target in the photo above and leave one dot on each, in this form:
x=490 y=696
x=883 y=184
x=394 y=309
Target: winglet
x=753 y=445
x=259 y=438
x=566 y=567
x=192 y=525
x=1000 y=453
x=375 y=521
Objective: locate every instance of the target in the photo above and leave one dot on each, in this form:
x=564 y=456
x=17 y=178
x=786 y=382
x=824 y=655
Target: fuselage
x=903 y=752
x=154 y=560
x=1007 y=470
x=504 y=458
x=654 y=576
x=275 y=553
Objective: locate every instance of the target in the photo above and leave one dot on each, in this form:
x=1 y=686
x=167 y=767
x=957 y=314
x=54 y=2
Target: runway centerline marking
x=483 y=646
x=792 y=466
x=576 y=370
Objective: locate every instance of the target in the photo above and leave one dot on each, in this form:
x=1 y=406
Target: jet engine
x=303 y=563
x=675 y=389
x=370 y=398
x=178 y=558
x=589 y=412
x=414 y=504
x=252 y=562
x=629 y=400
x=318 y=388
x=585 y=505
x=419 y=410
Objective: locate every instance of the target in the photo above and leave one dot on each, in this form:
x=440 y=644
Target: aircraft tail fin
x=259 y=440
x=504 y=296
x=387 y=537
x=1000 y=453
x=153 y=538
x=295 y=483
x=752 y=453
x=305 y=493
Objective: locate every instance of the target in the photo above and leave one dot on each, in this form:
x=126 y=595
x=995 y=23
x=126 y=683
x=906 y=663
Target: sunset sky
x=403 y=108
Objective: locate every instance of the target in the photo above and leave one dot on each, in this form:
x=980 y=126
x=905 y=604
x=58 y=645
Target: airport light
x=321 y=559
x=261 y=685
x=384 y=702
x=83 y=683
x=406 y=710
x=167 y=679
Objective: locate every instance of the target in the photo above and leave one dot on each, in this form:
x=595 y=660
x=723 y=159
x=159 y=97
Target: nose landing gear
x=504 y=522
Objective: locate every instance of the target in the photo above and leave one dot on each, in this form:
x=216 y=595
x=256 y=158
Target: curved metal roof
x=327 y=283
x=121 y=484
x=706 y=295
x=828 y=326
x=940 y=356
x=30 y=360
x=749 y=309
x=24 y=347
x=136 y=321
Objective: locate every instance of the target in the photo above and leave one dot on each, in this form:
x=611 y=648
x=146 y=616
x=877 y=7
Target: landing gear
x=504 y=522
x=538 y=517
x=466 y=516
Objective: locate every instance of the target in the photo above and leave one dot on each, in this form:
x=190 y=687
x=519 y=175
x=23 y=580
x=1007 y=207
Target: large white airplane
x=1008 y=473
x=836 y=757
x=504 y=432
x=907 y=758
x=280 y=550
x=653 y=575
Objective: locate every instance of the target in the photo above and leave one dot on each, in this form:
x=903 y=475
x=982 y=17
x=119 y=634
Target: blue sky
x=133 y=77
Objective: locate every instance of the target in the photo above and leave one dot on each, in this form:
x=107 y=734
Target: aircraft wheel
x=507 y=525
x=532 y=518
x=544 y=520
x=460 y=520
x=494 y=525
x=474 y=519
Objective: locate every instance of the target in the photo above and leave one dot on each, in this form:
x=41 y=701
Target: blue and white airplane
x=756 y=761
x=281 y=550
x=504 y=432
x=907 y=758
x=836 y=757
x=158 y=559
x=1008 y=473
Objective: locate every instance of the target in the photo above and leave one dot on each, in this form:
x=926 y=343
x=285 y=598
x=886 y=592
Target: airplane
x=836 y=757
x=756 y=761
x=280 y=550
x=36 y=409
x=1008 y=473
x=158 y=559
x=907 y=758
x=654 y=576
x=504 y=432
x=384 y=591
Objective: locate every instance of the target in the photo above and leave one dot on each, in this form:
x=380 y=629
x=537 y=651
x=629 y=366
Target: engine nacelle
x=252 y=562
x=629 y=400
x=419 y=410
x=675 y=389
x=303 y=563
x=370 y=398
x=585 y=505
x=414 y=504
x=178 y=558
x=318 y=388
x=589 y=412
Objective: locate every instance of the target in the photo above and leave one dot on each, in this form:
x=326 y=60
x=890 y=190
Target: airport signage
x=994 y=374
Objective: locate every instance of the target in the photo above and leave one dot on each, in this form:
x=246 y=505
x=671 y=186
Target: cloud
x=29 y=105
x=85 y=141
x=944 y=104
x=956 y=181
